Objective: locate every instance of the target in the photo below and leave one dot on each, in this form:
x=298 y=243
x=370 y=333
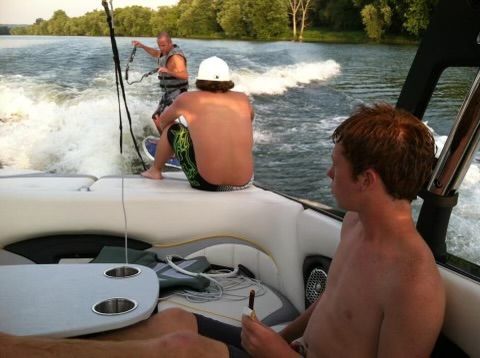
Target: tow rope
x=127 y=68
x=119 y=83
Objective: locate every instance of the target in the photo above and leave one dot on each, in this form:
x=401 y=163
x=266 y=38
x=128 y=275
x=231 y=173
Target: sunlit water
x=58 y=109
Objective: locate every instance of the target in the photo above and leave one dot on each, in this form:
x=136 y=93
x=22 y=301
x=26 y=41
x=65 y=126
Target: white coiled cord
x=224 y=284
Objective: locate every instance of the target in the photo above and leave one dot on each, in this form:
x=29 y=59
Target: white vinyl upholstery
x=231 y=255
x=39 y=182
x=462 y=315
x=163 y=213
x=317 y=234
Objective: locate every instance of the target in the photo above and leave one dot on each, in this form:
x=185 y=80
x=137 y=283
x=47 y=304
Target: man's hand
x=262 y=341
x=137 y=43
x=163 y=70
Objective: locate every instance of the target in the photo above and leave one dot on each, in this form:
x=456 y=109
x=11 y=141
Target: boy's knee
x=179 y=344
x=177 y=314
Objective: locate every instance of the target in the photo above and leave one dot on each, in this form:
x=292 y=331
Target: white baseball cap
x=213 y=69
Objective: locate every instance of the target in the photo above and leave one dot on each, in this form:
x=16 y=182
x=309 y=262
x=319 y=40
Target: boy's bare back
x=220 y=125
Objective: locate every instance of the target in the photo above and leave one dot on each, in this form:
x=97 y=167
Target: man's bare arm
x=296 y=328
x=170 y=114
x=176 y=67
x=412 y=320
x=13 y=346
x=150 y=50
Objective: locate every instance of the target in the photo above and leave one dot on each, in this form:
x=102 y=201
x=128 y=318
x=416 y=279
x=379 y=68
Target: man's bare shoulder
x=230 y=95
x=238 y=94
x=415 y=276
x=177 y=58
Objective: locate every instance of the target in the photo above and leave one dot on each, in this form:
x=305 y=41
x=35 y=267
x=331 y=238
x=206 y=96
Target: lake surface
x=58 y=108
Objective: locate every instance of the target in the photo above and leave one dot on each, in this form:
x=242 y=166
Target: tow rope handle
x=127 y=68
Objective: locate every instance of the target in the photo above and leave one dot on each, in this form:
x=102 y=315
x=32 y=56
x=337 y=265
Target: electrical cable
x=170 y=263
x=223 y=285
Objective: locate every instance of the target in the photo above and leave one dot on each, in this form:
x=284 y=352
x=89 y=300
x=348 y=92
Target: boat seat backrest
x=462 y=314
x=317 y=234
x=164 y=213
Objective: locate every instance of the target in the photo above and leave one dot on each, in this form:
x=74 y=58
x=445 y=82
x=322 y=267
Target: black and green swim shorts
x=182 y=145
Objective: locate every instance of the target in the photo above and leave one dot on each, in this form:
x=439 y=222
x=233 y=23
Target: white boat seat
x=46 y=182
x=175 y=182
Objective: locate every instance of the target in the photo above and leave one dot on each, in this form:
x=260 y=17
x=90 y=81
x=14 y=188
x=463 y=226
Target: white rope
x=125 y=229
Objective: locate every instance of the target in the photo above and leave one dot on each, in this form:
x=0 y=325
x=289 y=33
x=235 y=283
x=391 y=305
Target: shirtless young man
x=384 y=295
x=213 y=138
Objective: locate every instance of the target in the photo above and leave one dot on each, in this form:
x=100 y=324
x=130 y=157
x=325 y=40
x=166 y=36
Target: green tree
x=39 y=29
x=133 y=21
x=165 y=19
x=417 y=15
x=376 y=18
x=57 y=24
x=198 y=18
x=232 y=19
x=73 y=26
x=17 y=30
x=4 y=30
x=337 y=14
x=266 y=19
x=93 y=23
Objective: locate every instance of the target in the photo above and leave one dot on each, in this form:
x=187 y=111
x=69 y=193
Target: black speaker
x=316 y=283
x=315 y=271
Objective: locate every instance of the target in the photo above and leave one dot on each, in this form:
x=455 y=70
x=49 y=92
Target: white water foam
x=76 y=135
x=262 y=136
x=50 y=128
x=464 y=224
x=279 y=79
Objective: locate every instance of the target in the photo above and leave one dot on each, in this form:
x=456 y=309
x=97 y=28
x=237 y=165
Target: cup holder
x=122 y=272
x=114 y=306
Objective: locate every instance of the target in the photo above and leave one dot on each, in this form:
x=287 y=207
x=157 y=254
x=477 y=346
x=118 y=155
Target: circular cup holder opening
x=114 y=306
x=122 y=272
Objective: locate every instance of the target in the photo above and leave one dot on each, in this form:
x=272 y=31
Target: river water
x=58 y=109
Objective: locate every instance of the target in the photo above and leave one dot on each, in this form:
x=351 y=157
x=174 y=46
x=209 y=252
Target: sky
x=27 y=11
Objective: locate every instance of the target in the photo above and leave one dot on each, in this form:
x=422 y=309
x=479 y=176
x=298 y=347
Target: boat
x=285 y=242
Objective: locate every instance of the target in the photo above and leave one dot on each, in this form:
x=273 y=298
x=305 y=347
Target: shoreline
x=310 y=36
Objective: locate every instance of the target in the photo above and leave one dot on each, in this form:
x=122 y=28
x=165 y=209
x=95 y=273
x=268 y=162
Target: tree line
x=247 y=19
x=4 y=30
